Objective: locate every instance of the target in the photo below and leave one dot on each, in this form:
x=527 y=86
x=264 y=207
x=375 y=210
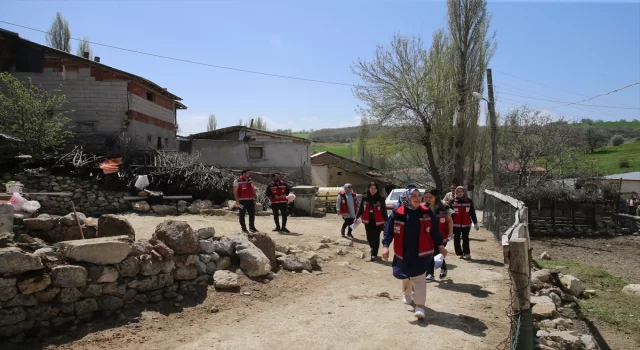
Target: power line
x=596 y=96
x=194 y=62
x=555 y=88
x=576 y=103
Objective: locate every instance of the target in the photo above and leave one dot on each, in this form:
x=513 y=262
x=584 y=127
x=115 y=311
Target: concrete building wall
x=339 y=176
x=99 y=107
x=284 y=156
x=142 y=105
x=320 y=175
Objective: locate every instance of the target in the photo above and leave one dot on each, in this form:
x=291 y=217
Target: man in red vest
x=277 y=192
x=245 y=196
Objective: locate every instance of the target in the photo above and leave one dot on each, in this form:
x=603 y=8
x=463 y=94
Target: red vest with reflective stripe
x=377 y=213
x=245 y=189
x=425 y=242
x=441 y=215
x=462 y=212
x=344 y=209
x=278 y=192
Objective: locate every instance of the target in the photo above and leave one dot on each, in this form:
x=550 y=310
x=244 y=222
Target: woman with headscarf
x=373 y=212
x=464 y=214
x=413 y=229
x=347 y=208
x=445 y=225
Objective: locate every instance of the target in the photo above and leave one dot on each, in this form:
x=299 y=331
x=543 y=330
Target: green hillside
x=304 y=135
x=341 y=149
x=611 y=125
x=607 y=159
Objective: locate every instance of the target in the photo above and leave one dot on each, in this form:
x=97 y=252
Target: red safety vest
x=377 y=213
x=425 y=242
x=245 y=189
x=344 y=209
x=462 y=212
x=441 y=215
x=278 y=192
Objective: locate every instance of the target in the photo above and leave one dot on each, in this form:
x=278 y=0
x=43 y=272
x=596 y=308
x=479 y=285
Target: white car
x=394 y=196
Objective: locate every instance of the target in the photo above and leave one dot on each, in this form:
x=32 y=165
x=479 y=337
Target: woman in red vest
x=347 y=208
x=445 y=225
x=413 y=229
x=464 y=214
x=373 y=212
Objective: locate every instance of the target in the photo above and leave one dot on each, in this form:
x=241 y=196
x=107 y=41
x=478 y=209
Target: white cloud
x=352 y=122
x=192 y=124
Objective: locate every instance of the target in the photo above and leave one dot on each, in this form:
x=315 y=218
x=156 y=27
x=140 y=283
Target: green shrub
x=616 y=140
x=624 y=164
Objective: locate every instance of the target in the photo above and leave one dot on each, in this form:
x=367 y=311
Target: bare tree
x=468 y=22
x=84 y=46
x=59 y=35
x=257 y=123
x=594 y=138
x=534 y=145
x=395 y=91
x=212 y=124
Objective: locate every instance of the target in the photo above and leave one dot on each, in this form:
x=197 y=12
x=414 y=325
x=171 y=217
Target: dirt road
x=352 y=304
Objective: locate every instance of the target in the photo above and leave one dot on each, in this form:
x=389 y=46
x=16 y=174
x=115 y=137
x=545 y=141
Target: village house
x=241 y=147
x=110 y=107
x=332 y=170
x=629 y=183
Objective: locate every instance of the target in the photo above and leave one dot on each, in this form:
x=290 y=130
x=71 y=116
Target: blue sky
x=571 y=50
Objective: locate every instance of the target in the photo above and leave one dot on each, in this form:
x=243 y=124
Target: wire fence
x=507 y=219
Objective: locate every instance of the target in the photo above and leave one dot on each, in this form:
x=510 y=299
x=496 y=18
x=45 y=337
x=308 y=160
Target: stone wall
x=53 y=288
x=87 y=196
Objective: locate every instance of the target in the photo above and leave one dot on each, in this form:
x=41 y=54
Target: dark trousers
x=248 y=206
x=432 y=264
x=461 y=233
x=373 y=237
x=346 y=224
x=280 y=208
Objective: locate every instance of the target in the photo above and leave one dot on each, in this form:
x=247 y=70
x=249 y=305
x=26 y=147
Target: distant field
x=304 y=135
x=612 y=125
x=341 y=149
x=608 y=158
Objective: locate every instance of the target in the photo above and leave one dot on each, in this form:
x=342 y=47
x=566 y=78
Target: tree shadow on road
x=488 y=262
x=477 y=239
x=361 y=241
x=467 y=324
x=468 y=288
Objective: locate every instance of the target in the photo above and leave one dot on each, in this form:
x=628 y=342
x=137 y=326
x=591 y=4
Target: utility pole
x=494 y=131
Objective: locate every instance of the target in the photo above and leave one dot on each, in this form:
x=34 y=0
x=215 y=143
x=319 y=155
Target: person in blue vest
x=347 y=208
x=413 y=230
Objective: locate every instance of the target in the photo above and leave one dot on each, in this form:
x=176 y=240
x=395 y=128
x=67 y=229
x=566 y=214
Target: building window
x=159 y=142
x=149 y=138
x=339 y=173
x=256 y=153
x=150 y=96
x=166 y=141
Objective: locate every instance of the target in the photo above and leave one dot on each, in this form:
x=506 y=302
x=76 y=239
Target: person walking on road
x=445 y=226
x=409 y=187
x=413 y=230
x=277 y=192
x=450 y=195
x=245 y=196
x=464 y=214
x=347 y=207
x=374 y=215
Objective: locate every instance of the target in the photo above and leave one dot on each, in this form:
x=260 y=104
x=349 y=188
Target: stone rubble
x=551 y=307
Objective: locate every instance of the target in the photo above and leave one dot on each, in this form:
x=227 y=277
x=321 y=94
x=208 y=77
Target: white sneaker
x=429 y=278
x=408 y=299
x=467 y=257
x=419 y=313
